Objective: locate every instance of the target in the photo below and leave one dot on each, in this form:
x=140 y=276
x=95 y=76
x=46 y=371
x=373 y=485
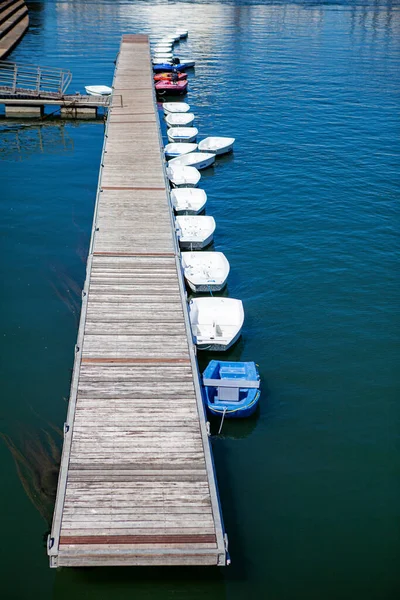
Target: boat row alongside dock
x=230 y=389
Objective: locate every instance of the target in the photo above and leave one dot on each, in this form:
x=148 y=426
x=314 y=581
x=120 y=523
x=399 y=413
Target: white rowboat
x=183 y=176
x=194 y=232
x=178 y=148
x=216 y=322
x=175 y=107
x=182 y=134
x=200 y=160
x=98 y=90
x=188 y=201
x=179 y=119
x=205 y=271
x=218 y=145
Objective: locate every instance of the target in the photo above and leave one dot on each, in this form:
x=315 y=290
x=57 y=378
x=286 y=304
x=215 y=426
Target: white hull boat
x=182 y=134
x=183 y=176
x=175 y=107
x=179 y=119
x=188 y=201
x=164 y=55
x=163 y=47
x=183 y=33
x=205 y=271
x=194 y=232
x=178 y=148
x=216 y=322
x=161 y=61
x=199 y=160
x=218 y=145
x=98 y=90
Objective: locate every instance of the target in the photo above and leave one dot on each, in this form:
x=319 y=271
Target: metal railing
x=32 y=80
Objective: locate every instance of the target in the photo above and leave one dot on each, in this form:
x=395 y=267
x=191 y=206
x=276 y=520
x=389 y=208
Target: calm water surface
x=307 y=214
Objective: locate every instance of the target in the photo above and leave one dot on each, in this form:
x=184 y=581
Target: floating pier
x=137 y=483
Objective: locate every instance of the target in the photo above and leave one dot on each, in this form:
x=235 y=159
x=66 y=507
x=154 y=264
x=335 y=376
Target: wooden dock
x=137 y=483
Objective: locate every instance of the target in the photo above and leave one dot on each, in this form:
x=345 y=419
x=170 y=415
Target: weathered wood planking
x=137 y=484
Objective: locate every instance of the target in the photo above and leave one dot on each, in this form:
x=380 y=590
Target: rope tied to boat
x=222 y=420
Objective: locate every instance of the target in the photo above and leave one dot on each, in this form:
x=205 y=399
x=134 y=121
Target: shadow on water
x=141 y=582
x=37 y=457
x=19 y=141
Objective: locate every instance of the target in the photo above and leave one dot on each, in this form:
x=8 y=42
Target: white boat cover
x=98 y=90
x=183 y=176
x=178 y=148
x=176 y=107
x=179 y=119
x=200 y=160
x=205 y=268
x=219 y=145
x=182 y=134
x=192 y=228
x=216 y=321
x=191 y=200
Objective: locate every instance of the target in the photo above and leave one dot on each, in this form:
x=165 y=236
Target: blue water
x=307 y=214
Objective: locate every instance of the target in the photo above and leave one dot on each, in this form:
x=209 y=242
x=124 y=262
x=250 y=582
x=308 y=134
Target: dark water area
x=307 y=214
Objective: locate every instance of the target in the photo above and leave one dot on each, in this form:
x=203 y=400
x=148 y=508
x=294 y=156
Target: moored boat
x=194 y=232
x=205 y=271
x=216 y=322
x=200 y=160
x=182 y=134
x=188 y=201
x=183 y=176
x=179 y=119
x=218 y=145
x=231 y=388
x=166 y=86
x=98 y=90
x=178 y=148
x=175 y=107
x=183 y=33
x=168 y=66
x=169 y=76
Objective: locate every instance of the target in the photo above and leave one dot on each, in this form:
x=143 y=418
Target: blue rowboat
x=231 y=388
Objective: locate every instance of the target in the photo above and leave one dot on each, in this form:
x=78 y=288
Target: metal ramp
x=32 y=81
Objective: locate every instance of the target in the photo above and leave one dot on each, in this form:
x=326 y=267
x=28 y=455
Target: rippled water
x=307 y=214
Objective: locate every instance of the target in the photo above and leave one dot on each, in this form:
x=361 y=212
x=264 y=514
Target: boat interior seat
x=228 y=394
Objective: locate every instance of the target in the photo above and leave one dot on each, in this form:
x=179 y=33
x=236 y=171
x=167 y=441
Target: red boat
x=168 y=76
x=171 y=87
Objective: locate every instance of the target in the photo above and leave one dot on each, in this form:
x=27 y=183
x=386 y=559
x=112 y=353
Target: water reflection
x=19 y=141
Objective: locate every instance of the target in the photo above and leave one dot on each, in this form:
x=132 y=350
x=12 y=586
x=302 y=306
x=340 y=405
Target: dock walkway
x=137 y=484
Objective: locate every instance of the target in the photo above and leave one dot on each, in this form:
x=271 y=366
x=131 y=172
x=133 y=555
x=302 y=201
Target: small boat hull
x=218 y=347
x=169 y=87
x=179 y=119
x=242 y=382
x=195 y=160
x=234 y=412
x=182 y=134
x=175 y=107
x=98 y=90
x=196 y=245
x=216 y=322
x=217 y=145
x=195 y=233
x=173 y=150
x=205 y=271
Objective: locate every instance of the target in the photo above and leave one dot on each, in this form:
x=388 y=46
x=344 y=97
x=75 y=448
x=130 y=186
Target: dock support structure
x=21 y=111
x=78 y=112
